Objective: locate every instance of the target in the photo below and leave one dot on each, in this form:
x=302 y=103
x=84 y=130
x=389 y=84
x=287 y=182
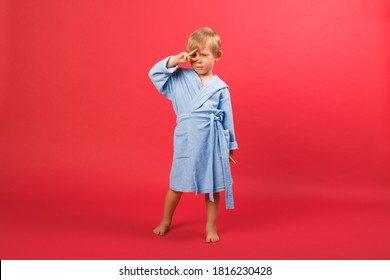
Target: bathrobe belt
x=215 y=123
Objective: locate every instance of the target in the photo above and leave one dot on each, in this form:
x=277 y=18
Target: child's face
x=203 y=60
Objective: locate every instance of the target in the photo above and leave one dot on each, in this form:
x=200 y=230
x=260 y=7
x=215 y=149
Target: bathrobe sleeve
x=226 y=106
x=160 y=76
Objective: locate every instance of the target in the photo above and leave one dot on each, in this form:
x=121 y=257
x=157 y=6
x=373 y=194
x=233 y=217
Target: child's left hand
x=231 y=157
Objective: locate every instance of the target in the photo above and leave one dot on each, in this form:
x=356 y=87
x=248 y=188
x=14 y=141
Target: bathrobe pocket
x=181 y=147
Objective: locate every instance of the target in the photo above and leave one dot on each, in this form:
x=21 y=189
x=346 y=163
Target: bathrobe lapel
x=206 y=91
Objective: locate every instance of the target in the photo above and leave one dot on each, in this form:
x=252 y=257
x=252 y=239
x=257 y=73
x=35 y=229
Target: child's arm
x=226 y=106
x=161 y=72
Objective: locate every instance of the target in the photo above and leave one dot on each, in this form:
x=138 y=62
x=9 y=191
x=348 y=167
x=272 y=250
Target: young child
x=204 y=137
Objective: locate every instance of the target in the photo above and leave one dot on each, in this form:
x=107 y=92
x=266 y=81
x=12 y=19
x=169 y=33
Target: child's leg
x=171 y=201
x=212 y=214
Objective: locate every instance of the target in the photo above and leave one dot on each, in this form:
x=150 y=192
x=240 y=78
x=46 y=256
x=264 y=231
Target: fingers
x=192 y=52
x=185 y=57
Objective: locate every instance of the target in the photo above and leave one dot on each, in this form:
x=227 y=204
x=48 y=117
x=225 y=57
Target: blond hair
x=199 y=38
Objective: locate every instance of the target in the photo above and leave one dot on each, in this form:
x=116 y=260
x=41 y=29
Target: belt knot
x=218 y=117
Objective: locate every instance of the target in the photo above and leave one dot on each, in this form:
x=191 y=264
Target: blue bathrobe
x=204 y=133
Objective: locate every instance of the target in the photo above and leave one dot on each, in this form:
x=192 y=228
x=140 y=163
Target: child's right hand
x=180 y=58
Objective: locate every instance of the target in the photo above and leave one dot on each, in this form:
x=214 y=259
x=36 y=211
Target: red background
x=86 y=140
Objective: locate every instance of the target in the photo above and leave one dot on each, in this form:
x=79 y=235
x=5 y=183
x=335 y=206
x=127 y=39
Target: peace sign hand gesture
x=180 y=58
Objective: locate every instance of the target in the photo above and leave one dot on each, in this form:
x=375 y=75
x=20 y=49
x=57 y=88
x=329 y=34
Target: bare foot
x=163 y=227
x=211 y=234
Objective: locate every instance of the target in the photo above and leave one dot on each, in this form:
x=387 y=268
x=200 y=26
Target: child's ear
x=219 y=55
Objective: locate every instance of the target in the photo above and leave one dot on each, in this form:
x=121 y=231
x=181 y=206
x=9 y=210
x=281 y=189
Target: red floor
x=108 y=221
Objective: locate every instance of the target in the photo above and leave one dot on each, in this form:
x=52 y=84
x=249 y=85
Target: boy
x=204 y=133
